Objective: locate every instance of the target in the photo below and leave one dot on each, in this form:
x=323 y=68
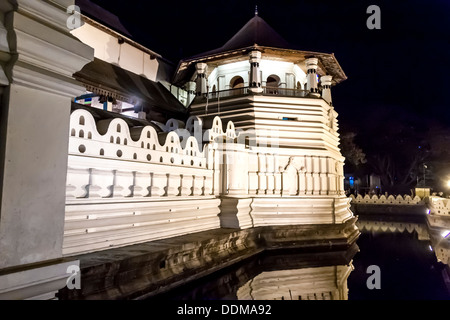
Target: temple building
x=128 y=148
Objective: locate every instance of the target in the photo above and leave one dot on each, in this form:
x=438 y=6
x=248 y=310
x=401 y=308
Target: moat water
x=381 y=265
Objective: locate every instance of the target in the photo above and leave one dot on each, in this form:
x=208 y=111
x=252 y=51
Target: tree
x=352 y=153
x=396 y=146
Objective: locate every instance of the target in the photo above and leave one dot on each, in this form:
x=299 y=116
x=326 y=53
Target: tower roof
x=257 y=34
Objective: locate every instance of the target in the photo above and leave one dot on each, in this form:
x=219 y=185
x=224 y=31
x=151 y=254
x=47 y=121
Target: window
x=237 y=83
x=272 y=82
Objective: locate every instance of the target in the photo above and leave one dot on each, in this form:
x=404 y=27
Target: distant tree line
x=404 y=149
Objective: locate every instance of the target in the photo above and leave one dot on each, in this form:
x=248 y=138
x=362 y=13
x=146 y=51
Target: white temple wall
x=107 y=48
x=133 y=185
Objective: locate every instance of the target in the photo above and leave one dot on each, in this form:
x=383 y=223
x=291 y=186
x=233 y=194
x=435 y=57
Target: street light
x=424 y=167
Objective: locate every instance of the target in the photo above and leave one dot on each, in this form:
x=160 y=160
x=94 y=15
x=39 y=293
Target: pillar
x=201 y=81
x=237 y=166
x=311 y=76
x=255 y=74
x=190 y=89
x=326 y=88
x=34 y=137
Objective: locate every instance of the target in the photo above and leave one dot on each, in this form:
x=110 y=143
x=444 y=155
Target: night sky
x=403 y=67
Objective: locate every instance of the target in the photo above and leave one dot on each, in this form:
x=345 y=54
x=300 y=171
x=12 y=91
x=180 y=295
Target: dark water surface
x=408 y=269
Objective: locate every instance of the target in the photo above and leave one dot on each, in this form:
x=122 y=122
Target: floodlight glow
x=445 y=233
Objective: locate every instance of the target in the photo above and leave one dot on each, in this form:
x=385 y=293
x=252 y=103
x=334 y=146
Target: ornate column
x=201 y=80
x=326 y=88
x=255 y=74
x=311 y=76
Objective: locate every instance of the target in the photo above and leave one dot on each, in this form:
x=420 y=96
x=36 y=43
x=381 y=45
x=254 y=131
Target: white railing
x=439 y=206
x=400 y=200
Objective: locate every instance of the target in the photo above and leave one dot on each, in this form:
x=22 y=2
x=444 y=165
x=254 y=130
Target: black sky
x=403 y=67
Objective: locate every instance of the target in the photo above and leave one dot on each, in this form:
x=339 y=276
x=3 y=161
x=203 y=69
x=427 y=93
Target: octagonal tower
x=279 y=97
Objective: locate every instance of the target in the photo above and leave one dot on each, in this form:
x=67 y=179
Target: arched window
x=272 y=82
x=237 y=83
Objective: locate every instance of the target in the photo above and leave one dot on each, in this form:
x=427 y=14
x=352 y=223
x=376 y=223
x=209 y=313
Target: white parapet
x=129 y=185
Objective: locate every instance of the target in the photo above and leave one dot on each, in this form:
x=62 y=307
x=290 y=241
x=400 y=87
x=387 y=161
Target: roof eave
x=327 y=60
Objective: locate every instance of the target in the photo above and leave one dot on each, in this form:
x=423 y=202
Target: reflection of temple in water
x=426 y=228
x=394 y=226
x=277 y=275
x=320 y=283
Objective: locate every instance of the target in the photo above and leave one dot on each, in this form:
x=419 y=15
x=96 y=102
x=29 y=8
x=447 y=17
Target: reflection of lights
x=430 y=247
x=445 y=233
x=428 y=211
x=448 y=183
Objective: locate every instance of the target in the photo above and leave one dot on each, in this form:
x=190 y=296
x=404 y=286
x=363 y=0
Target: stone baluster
x=308 y=175
x=197 y=189
x=142 y=183
x=173 y=184
x=77 y=182
x=262 y=178
x=123 y=184
x=270 y=163
x=277 y=176
x=159 y=183
x=186 y=187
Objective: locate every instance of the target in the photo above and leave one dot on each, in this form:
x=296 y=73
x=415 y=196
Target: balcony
x=270 y=91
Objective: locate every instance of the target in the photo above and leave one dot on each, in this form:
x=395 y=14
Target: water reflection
x=280 y=275
x=412 y=256
x=319 y=283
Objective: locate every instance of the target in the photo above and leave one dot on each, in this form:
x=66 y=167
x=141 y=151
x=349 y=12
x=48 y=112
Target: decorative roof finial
x=256 y=10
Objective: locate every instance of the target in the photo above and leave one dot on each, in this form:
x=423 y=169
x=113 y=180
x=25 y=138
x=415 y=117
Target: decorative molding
x=398 y=200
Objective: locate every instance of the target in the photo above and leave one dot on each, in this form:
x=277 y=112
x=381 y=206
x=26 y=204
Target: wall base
x=35 y=282
x=147 y=269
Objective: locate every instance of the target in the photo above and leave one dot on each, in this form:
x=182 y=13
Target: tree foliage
x=352 y=153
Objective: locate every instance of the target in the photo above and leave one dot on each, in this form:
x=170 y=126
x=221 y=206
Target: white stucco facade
x=74 y=184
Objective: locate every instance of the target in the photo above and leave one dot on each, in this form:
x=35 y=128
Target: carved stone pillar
x=311 y=76
x=326 y=88
x=255 y=74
